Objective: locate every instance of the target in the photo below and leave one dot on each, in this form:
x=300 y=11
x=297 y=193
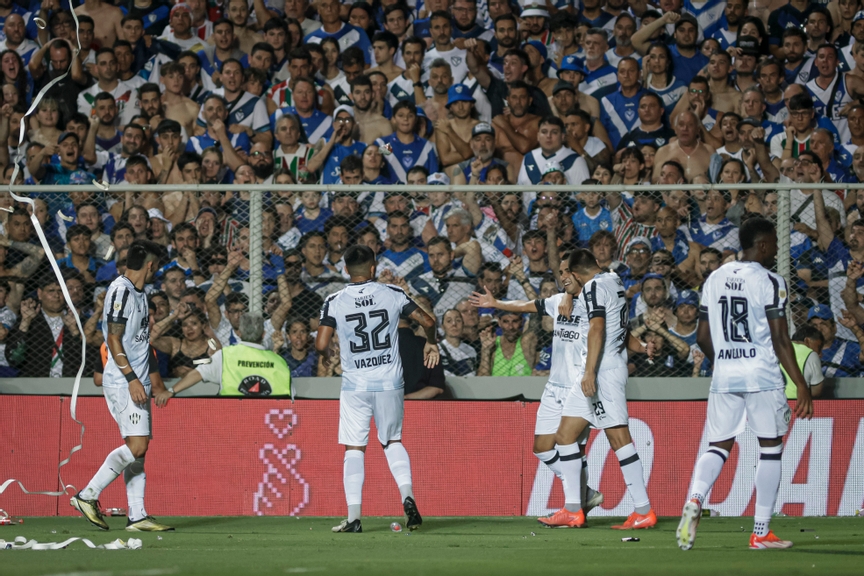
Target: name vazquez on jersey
x=366 y=319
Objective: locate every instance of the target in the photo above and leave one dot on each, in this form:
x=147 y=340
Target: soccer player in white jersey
x=126 y=384
x=742 y=327
x=565 y=355
x=365 y=316
x=598 y=397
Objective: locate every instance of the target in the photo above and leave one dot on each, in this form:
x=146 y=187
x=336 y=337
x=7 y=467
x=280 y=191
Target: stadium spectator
x=46 y=342
x=514 y=353
x=421 y=383
x=301 y=357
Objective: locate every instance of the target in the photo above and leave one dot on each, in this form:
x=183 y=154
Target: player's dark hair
x=752 y=230
x=140 y=252
x=807 y=331
x=582 y=260
x=357 y=260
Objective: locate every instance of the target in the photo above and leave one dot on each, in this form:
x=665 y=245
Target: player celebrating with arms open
x=568 y=346
x=742 y=327
x=126 y=382
x=365 y=315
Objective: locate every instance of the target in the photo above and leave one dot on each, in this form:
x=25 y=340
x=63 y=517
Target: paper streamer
x=73 y=404
x=21 y=543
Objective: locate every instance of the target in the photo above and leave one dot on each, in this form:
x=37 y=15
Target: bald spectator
x=693 y=155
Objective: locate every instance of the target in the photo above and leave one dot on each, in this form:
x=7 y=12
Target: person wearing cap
x=179 y=31
x=66 y=169
x=619 y=110
x=686 y=316
x=688 y=59
x=535 y=18
x=538 y=64
x=473 y=170
x=637 y=257
x=340 y=145
x=453 y=135
x=745 y=63
x=841 y=358
x=600 y=76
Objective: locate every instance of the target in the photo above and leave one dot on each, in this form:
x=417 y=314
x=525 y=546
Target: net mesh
x=440 y=247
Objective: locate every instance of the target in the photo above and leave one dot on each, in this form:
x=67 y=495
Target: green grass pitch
x=472 y=546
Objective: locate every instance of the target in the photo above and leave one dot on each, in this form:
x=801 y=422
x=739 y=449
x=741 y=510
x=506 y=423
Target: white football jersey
x=566 y=338
x=738 y=299
x=125 y=304
x=604 y=297
x=366 y=319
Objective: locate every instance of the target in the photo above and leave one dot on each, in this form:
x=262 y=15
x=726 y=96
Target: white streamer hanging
x=73 y=404
x=21 y=543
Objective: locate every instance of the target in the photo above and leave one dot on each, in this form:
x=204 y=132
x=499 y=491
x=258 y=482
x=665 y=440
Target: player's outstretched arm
x=115 y=347
x=786 y=355
x=486 y=300
x=430 y=350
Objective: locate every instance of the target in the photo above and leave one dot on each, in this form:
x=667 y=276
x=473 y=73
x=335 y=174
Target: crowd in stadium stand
x=438 y=92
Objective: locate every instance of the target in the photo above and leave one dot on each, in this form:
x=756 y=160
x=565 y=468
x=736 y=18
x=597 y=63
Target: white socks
x=768 y=473
x=570 y=462
x=353 y=475
x=551 y=459
x=400 y=467
x=136 y=480
x=115 y=463
x=631 y=468
x=707 y=470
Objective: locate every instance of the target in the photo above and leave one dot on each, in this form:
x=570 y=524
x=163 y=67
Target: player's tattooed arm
x=116 y=329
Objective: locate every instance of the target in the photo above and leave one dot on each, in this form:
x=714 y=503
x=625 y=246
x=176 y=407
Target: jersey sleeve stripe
x=326 y=319
x=777 y=308
x=540 y=304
